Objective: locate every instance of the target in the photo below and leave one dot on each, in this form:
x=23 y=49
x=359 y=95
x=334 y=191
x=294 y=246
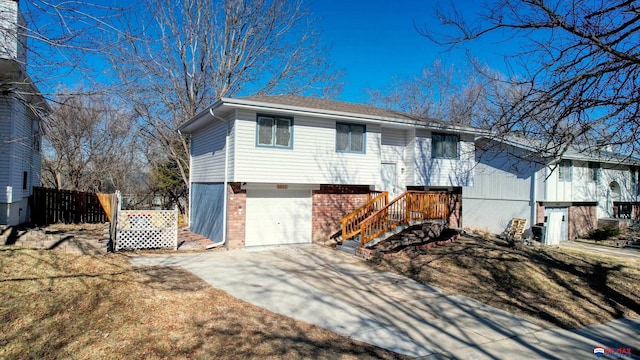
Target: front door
x=389 y=179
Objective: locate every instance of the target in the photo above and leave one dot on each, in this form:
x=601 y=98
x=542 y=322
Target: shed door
x=557 y=224
x=277 y=217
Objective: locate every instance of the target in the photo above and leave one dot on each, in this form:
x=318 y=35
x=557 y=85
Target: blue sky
x=374 y=41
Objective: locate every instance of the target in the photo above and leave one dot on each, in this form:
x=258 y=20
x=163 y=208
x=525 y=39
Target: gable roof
x=601 y=155
x=311 y=106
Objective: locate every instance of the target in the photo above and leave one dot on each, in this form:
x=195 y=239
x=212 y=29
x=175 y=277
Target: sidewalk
x=338 y=292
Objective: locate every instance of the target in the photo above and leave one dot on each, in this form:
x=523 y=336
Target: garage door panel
x=276 y=217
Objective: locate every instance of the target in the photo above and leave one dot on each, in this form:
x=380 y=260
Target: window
x=274 y=131
x=25 y=178
x=444 y=146
x=350 y=138
x=594 y=171
x=565 y=170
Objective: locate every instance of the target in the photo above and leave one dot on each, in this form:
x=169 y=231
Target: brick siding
x=236 y=216
x=330 y=204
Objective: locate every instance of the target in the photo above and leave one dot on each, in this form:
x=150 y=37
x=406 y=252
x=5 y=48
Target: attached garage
x=278 y=217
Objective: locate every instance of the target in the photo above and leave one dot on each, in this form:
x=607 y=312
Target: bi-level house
x=512 y=180
x=20 y=107
x=269 y=170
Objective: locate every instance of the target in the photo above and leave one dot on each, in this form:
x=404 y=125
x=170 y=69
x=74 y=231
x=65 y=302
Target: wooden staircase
x=379 y=219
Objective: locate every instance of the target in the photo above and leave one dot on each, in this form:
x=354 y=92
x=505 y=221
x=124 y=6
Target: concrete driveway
x=338 y=292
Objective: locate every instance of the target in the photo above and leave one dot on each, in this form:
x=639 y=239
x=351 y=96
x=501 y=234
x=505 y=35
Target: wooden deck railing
x=408 y=207
x=351 y=223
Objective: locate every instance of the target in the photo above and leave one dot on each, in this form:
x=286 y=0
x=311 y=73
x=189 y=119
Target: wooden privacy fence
x=50 y=206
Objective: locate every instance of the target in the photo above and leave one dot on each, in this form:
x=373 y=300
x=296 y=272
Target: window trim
x=364 y=138
x=445 y=136
x=273 y=131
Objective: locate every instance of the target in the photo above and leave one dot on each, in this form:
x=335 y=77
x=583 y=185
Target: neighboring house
x=513 y=181
x=294 y=166
x=20 y=104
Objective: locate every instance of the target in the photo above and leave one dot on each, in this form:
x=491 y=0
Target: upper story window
x=445 y=146
x=274 y=131
x=350 y=138
x=565 y=170
x=594 y=171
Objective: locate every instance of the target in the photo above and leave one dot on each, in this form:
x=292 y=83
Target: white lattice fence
x=147 y=229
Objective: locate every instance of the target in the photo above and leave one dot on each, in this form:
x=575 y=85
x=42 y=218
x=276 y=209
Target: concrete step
x=349 y=246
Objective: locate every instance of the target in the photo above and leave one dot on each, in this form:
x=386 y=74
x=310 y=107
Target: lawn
x=555 y=287
x=55 y=305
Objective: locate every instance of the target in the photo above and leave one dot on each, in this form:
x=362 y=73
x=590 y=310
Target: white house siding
x=9 y=17
x=502 y=190
x=442 y=172
x=6 y=122
x=313 y=158
x=207 y=153
x=582 y=188
x=21 y=152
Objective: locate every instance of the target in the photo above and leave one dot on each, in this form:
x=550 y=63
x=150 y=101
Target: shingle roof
x=332 y=105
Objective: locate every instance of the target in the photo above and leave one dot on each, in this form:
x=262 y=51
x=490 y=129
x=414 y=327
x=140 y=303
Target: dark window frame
x=443 y=152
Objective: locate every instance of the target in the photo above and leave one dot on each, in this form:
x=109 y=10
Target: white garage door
x=276 y=217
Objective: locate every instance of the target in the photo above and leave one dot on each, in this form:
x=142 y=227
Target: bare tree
x=179 y=56
x=442 y=93
x=578 y=70
x=90 y=145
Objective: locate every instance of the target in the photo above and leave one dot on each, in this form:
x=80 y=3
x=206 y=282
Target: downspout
x=226 y=182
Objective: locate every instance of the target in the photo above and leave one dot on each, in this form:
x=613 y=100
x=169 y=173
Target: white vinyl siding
x=312 y=160
x=582 y=188
x=503 y=188
x=21 y=153
x=207 y=153
x=6 y=122
x=430 y=171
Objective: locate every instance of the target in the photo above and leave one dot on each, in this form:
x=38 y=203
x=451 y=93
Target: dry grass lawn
x=552 y=286
x=61 y=306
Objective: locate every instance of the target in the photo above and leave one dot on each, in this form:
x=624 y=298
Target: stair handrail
x=351 y=222
x=409 y=206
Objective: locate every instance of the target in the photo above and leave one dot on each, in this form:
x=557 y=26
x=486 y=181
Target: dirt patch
x=554 y=287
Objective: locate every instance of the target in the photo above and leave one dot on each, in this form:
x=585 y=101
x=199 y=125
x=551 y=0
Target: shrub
x=604 y=233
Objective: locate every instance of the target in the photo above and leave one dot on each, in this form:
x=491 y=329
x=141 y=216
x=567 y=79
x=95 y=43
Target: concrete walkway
x=338 y=292
x=602 y=249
